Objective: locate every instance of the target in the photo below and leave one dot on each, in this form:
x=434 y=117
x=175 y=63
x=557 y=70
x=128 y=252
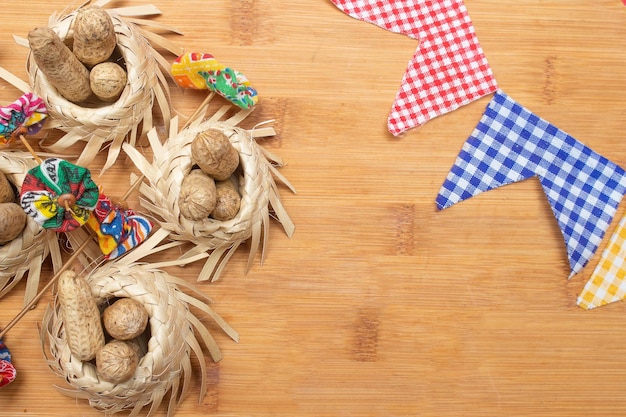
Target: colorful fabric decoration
x=25 y=116
x=5 y=355
x=7 y=371
x=449 y=68
x=202 y=71
x=59 y=195
x=119 y=229
x=607 y=283
x=511 y=144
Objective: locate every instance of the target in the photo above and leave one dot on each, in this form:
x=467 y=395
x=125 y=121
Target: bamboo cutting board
x=380 y=305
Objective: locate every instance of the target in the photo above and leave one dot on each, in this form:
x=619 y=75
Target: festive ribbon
x=449 y=68
x=203 y=71
x=607 y=283
x=119 y=229
x=26 y=115
x=7 y=371
x=44 y=193
x=511 y=144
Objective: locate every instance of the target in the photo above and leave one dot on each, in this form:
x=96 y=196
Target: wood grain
x=380 y=305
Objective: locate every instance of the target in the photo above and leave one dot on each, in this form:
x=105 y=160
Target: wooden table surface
x=381 y=305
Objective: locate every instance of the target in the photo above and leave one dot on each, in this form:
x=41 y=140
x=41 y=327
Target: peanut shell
x=12 y=221
x=60 y=66
x=7 y=195
x=228 y=201
x=197 y=196
x=212 y=151
x=116 y=361
x=125 y=319
x=81 y=316
x=107 y=81
x=94 y=35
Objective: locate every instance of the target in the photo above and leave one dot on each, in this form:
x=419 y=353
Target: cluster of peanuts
x=111 y=338
x=82 y=67
x=209 y=191
x=12 y=216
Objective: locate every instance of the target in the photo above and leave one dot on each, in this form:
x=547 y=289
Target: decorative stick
x=200 y=109
x=30 y=148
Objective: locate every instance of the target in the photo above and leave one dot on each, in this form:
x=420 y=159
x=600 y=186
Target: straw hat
x=255 y=177
x=175 y=333
x=110 y=123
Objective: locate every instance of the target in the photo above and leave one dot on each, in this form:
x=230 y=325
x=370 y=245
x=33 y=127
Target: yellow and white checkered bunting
x=607 y=284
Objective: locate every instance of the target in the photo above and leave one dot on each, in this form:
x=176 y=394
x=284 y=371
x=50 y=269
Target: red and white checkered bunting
x=449 y=68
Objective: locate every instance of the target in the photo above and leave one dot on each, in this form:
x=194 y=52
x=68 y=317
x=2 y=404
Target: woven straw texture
x=110 y=124
x=257 y=187
x=26 y=253
x=165 y=371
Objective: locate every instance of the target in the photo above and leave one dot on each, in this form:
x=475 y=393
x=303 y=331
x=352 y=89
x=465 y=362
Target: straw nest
x=110 y=123
x=174 y=333
x=255 y=177
x=26 y=253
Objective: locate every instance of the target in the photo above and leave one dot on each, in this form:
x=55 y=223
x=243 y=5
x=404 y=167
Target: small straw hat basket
x=174 y=333
x=131 y=115
x=255 y=177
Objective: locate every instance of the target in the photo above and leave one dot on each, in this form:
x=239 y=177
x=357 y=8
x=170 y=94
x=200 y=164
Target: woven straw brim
x=257 y=188
x=165 y=371
x=113 y=123
x=26 y=253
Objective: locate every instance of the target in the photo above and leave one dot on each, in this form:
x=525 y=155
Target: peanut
x=116 y=361
x=81 y=317
x=94 y=35
x=214 y=154
x=12 y=222
x=228 y=201
x=125 y=319
x=139 y=346
x=197 y=196
x=107 y=81
x=59 y=65
x=7 y=195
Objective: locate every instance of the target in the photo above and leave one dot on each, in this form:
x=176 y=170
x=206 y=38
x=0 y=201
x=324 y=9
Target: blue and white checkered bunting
x=511 y=144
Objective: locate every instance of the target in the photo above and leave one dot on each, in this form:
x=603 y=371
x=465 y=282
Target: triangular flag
x=449 y=68
x=607 y=283
x=511 y=144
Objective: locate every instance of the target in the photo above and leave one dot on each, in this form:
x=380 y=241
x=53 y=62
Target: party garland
x=510 y=143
